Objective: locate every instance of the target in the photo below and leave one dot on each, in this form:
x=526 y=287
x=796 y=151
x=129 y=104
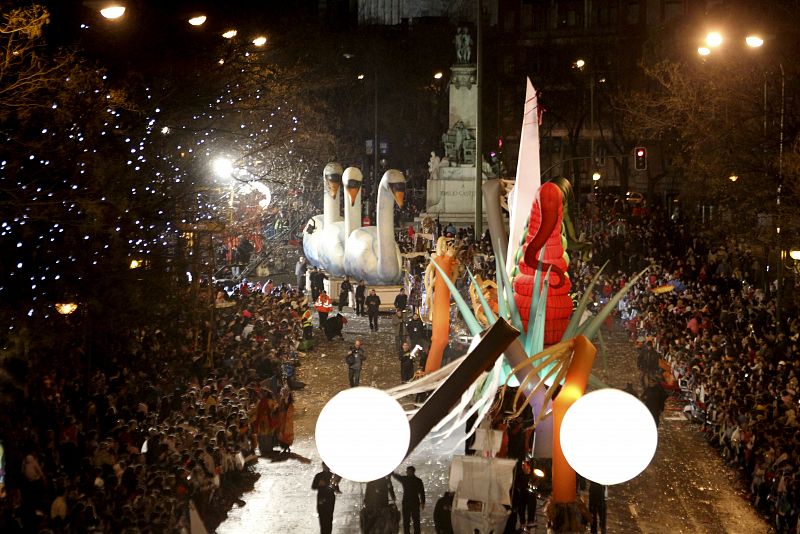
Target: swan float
x=372 y=252
x=352 y=179
x=320 y=228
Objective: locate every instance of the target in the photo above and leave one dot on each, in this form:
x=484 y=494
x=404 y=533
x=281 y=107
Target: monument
x=451 y=180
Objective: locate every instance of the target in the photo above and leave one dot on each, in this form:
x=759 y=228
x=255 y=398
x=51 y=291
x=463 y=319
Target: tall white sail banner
x=528 y=175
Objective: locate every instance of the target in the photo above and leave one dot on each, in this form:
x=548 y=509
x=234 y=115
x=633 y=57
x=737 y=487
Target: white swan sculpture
x=320 y=228
x=352 y=179
x=372 y=252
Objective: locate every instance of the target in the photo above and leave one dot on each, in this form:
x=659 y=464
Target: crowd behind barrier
x=127 y=446
x=706 y=310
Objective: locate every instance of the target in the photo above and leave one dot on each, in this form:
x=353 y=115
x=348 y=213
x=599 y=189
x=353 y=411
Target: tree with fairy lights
x=83 y=195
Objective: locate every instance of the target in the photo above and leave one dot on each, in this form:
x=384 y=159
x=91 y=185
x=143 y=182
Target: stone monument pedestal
x=451 y=198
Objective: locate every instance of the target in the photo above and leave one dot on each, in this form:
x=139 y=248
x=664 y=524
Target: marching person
x=373 y=303
x=355 y=360
x=399 y=327
x=326 y=485
x=361 y=290
x=597 y=506
x=344 y=293
x=323 y=306
x=413 y=498
x=401 y=300
x=406 y=363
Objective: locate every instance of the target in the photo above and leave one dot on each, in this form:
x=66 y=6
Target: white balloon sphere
x=608 y=436
x=362 y=434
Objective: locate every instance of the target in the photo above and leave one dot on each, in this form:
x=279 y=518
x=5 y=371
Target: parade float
x=536 y=343
x=323 y=245
x=342 y=247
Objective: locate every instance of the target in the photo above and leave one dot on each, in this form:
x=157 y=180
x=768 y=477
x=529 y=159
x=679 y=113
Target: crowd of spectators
x=156 y=431
x=709 y=312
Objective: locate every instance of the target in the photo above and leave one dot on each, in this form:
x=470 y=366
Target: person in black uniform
x=413 y=498
x=401 y=300
x=373 y=303
x=327 y=486
x=361 y=290
x=597 y=506
x=377 y=514
x=344 y=293
x=406 y=363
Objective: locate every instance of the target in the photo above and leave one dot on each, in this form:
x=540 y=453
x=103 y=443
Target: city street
x=687 y=487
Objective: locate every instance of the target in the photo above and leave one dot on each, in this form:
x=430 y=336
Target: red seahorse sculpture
x=544 y=231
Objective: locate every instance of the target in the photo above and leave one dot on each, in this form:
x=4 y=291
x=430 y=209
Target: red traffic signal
x=640 y=158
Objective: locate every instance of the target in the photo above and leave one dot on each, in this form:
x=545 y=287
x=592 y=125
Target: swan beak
x=352 y=192
x=333 y=188
x=399 y=197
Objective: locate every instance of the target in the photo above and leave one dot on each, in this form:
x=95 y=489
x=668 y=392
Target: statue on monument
x=433 y=166
x=459 y=144
x=463 y=42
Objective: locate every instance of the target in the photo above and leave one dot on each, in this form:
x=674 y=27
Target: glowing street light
x=754 y=41
x=198 y=20
x=580 y=63
x=66 y=308
x=113 y=12
x=704 y=50
x=714 y=39
x=438 y=76
x=223 y=167
x=260 y=40
x=733 y=177
x=596 y=176
x=135 y=264
x=230 y=34
x=360 y=76
x=794 y=254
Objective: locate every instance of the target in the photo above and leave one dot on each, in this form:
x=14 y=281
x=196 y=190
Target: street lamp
x=66 y=308
x=754 y=41
x=596 y=176
x=375 y=147
x=230 y=34
x=199 y=20
x=438 y=76
x=113 y=12
x=260 y=40
x=714 y=39
x=223 y=167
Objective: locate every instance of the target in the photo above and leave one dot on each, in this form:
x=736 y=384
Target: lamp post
x=580 y=64
x=223 y=168
x=113 y=11
x=714 y=40
x=375 y=147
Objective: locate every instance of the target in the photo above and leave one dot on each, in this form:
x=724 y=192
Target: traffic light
x=640 y=158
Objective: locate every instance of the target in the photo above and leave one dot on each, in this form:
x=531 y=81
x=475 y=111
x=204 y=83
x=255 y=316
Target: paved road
x=686 y=489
